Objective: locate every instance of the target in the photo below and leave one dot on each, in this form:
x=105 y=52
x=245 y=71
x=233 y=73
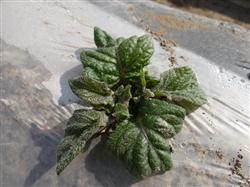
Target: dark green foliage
x=80 y=128
x=180 y=86
x=138 y=111
x=141 y=141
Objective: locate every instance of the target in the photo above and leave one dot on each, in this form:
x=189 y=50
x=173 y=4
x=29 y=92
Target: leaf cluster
x=138 y=111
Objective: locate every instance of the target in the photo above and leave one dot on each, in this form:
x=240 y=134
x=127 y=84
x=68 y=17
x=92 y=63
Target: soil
x=219 y=154
x=166 y=21
x=236 y=169
x=227 y=11
x=167 y=45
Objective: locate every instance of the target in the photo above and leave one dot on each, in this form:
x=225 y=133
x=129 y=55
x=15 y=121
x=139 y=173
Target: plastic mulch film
x=211 y=150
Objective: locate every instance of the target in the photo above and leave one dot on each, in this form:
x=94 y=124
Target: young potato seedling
x=138 y=112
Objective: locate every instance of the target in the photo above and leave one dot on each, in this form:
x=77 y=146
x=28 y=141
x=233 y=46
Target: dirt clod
x=167 y=45
x=219 y=154
x=236 y=169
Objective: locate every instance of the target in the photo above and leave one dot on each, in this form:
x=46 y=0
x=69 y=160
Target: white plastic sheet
x=40 y=45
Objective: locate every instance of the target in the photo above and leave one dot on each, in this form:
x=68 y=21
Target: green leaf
x=147 y=93
x=100 y=64
x=143 y=80
x=102 y=38
x=180 y=86
x=123 y=96
x=151 y=81
x=80 y=128
x=133 y=54
x=121 y=112
x=119 y=40
x=94 y=92
x=141 y=142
